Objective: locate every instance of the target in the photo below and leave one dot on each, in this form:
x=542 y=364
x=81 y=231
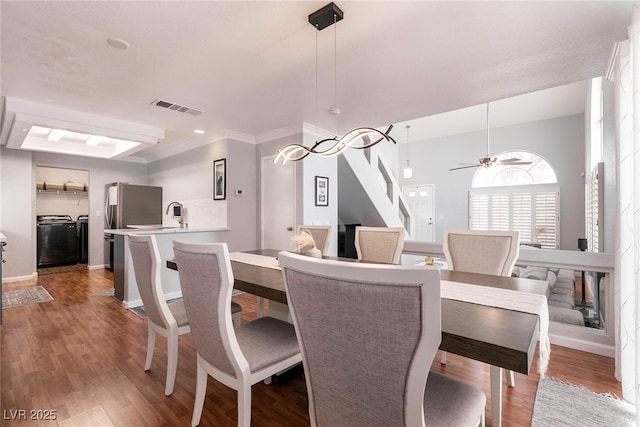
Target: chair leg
x=172 y=362
x=236 y=318
x=244 y=404
x=151 y=345
x=443 y=357
x=260 y=307
x=201 y=389
x=511 y=380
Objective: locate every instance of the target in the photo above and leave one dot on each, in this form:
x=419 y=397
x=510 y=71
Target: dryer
x=56 y=240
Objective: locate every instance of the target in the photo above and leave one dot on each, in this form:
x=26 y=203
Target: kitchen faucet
x=177 y=213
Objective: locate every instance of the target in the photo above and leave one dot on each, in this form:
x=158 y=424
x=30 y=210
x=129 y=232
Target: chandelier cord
x=335 y=61
x=316 y=124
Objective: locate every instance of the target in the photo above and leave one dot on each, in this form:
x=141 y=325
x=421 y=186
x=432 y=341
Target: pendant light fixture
x=359 y=138
x=407 y=172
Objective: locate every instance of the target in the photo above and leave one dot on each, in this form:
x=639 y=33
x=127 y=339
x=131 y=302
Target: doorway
x=278 y=210
x=61 y=219
x=422 y=206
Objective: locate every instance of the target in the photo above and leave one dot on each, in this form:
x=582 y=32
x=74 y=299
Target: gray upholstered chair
x=368 y=334
x=237 y=358
x=166 y=319
x=480 y=251
x=379 y=244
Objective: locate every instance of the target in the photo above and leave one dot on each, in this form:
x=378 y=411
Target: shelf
x=64 y=193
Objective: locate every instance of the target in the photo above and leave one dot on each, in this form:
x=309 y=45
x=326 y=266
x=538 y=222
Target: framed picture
x=220 y=179
x=322 y=191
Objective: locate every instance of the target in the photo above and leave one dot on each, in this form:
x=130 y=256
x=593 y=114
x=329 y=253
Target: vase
x=314 y=252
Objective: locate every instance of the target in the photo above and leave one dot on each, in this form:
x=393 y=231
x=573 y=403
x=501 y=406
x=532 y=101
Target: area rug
x=30 y=295
x=559 y=403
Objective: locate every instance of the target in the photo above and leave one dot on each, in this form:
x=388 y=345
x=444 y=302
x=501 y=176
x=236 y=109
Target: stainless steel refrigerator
x=127 y=205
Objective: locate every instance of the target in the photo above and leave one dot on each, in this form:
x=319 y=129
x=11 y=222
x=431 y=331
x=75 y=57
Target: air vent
x=176 y=107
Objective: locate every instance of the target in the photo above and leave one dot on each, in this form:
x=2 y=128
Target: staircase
x=369 y=194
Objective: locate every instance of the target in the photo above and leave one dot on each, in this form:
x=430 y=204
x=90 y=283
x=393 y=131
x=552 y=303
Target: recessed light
x=199 y=131
x=118 y=43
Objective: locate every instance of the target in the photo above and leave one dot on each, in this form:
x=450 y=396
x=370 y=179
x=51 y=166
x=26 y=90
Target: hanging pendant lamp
x=407 y=172
x=359 y=138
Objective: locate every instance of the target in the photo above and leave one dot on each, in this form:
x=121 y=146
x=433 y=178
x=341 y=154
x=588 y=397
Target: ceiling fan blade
x=464 y=167
x=508 y=162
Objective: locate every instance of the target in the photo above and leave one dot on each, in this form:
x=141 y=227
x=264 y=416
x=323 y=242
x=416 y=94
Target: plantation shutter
x=533 y=210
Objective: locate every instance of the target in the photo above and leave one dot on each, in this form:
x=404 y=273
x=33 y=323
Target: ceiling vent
x=176 y=107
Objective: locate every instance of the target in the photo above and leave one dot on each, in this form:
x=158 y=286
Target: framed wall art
x=220 y=179
x=322 y=191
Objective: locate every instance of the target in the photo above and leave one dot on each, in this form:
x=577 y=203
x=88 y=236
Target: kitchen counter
x=144 y=229
x=124 y=281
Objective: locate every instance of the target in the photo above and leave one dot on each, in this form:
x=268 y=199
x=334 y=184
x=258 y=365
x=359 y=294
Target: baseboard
x=20 y=278
x=582 y=345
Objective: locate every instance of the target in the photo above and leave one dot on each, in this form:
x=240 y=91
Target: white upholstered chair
x=322 y=238
x=166 y=319
x=481 y=251
x=379 y=244
x=237 y=358
x=368 y=334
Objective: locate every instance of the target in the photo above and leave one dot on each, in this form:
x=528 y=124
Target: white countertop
x=3 y=238
x=160 y=230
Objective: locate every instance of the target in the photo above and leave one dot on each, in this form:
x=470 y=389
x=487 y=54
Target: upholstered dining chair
x=237 y=358
x=368 y=334
x=166 y=319
x=481 y=251
x=379 y=244
x=321 y=236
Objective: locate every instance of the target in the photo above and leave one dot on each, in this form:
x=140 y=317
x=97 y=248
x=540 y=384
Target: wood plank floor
x=82 y=355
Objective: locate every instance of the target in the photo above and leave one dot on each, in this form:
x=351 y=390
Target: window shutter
x=533 y=210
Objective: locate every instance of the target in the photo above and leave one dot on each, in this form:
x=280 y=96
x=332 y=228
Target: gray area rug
x=30 y=295
x=559 y=403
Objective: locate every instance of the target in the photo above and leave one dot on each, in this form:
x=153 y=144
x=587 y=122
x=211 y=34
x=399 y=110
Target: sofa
x=562 y=297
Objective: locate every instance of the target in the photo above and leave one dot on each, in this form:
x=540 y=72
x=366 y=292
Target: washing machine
x=56 y=240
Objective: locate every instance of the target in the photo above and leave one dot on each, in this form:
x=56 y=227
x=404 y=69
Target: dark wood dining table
x=504 y=339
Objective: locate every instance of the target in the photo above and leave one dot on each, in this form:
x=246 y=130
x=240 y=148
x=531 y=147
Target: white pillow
x=551 y=277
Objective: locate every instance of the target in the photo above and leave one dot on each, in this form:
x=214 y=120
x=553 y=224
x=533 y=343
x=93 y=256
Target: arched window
x=525 y=198
x=539 y=171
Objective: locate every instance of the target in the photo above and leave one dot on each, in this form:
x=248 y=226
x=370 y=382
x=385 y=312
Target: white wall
x=306 y=171
x=560 y=141
x=188 y=178
x=311 y=167
x=62 y=203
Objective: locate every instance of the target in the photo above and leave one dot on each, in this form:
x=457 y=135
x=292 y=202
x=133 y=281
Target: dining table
x=502 y=338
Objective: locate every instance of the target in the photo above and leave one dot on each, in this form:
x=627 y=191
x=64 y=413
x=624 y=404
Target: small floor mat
x=30 y=295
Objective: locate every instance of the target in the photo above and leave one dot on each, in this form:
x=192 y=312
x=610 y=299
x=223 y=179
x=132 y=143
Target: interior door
x=422 y=207
x=278 y=204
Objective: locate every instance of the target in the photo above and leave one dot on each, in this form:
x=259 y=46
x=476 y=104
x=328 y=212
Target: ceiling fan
x=489 y=160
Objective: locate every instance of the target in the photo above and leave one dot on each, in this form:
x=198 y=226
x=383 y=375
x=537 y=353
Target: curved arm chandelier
x=295 y=152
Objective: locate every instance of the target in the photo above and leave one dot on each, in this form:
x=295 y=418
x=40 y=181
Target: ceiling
x=250 y=67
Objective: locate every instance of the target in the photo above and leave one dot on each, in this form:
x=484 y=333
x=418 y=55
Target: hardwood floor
x=82 y=355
